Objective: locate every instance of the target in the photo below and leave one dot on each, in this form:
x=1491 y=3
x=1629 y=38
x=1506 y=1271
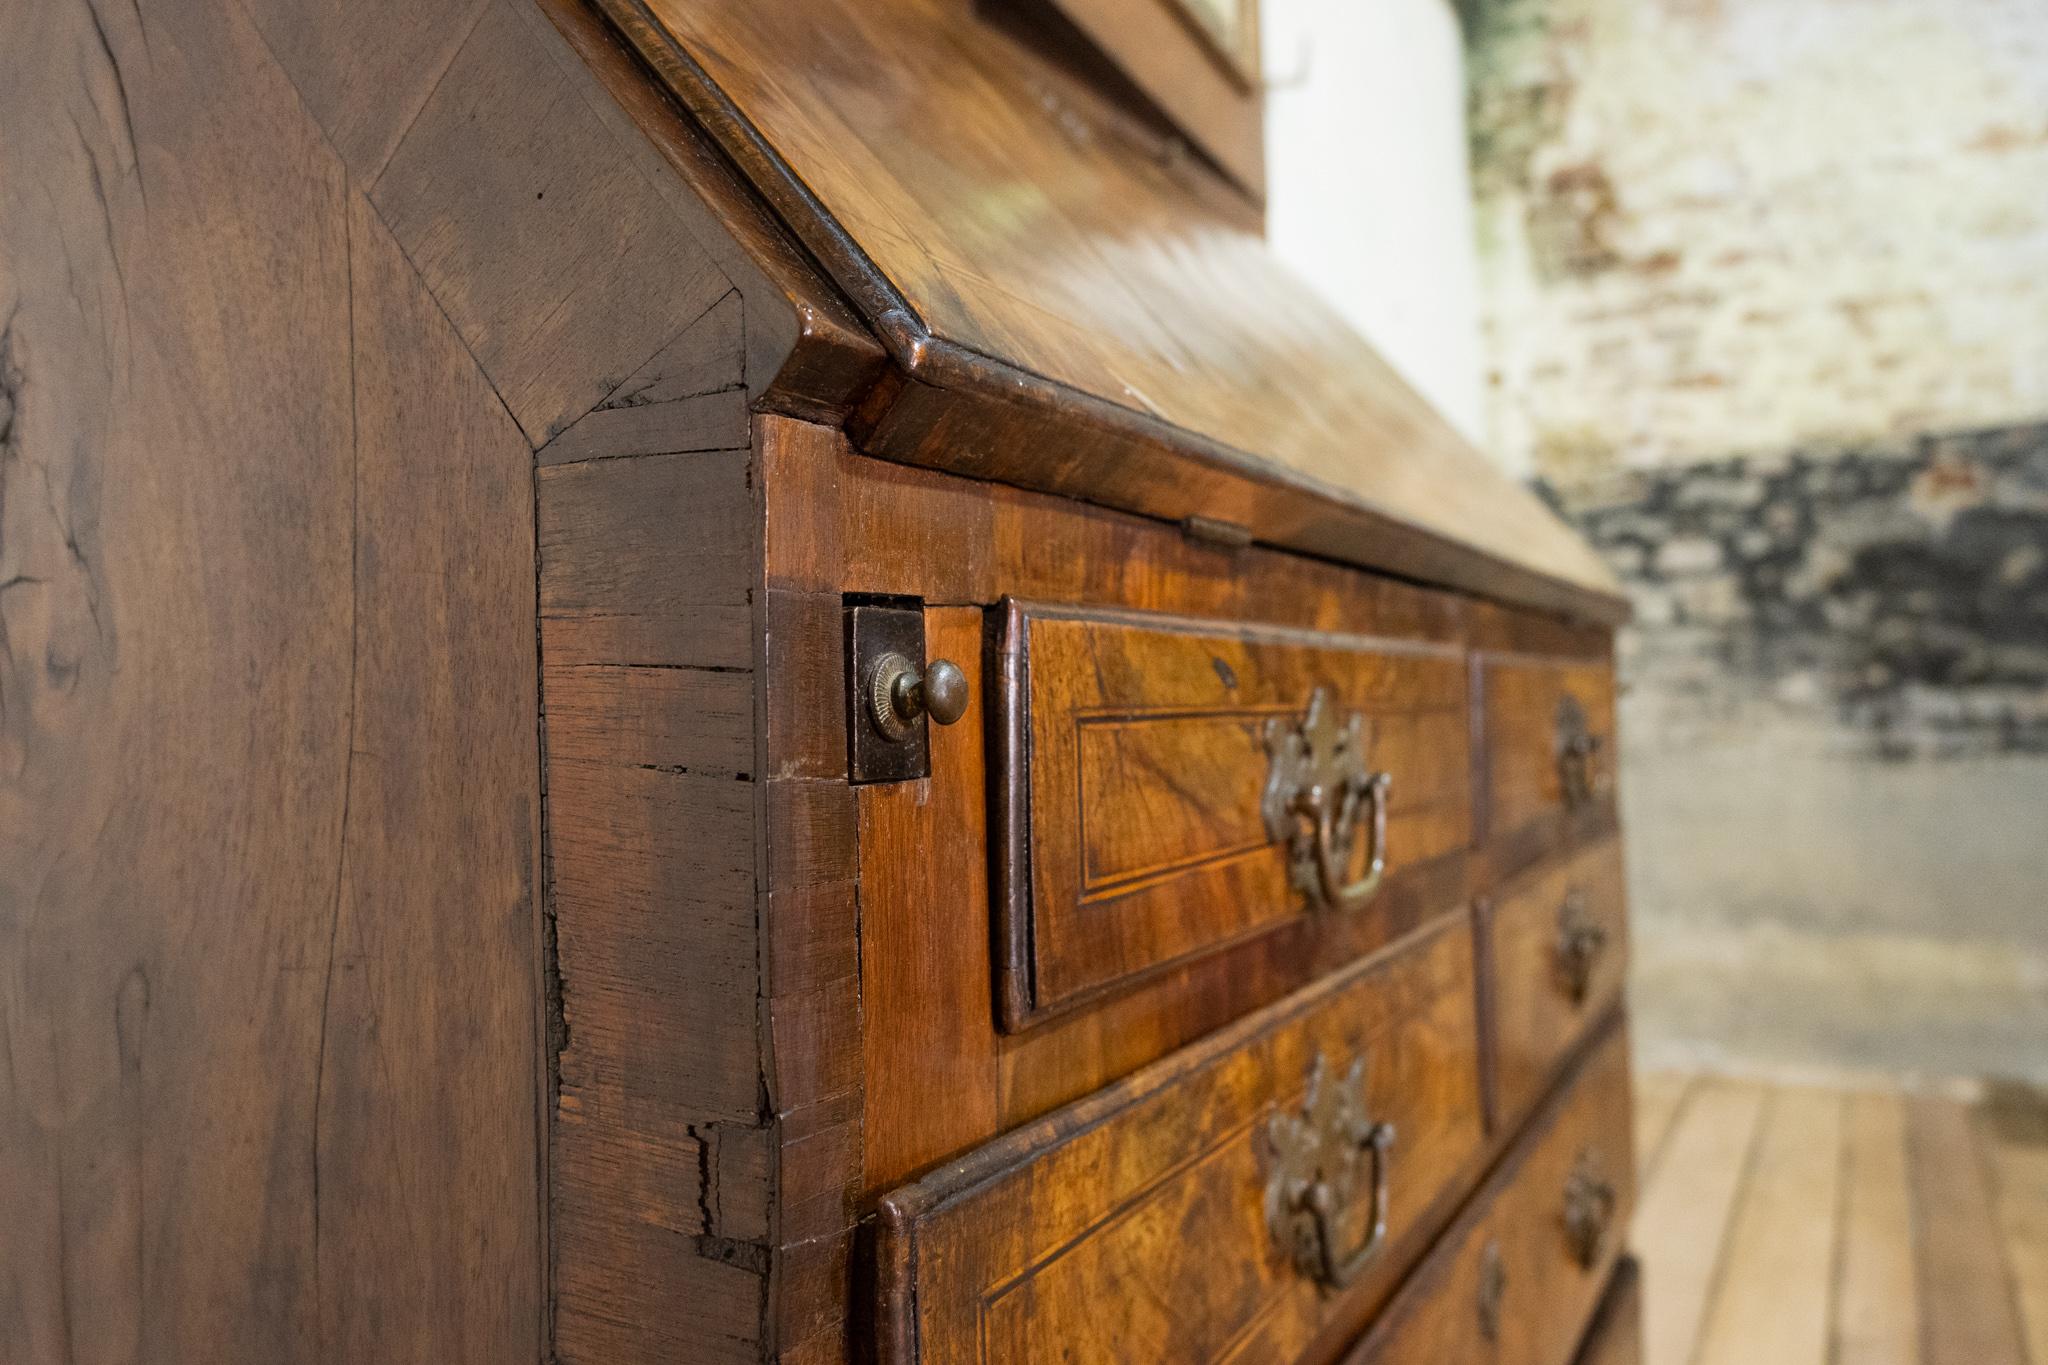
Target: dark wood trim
x=1136 y=462
x=1487 y=970
x=1010 y=834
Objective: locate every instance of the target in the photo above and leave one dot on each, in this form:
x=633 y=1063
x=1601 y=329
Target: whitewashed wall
x=1767 y=287
x=1369 y=195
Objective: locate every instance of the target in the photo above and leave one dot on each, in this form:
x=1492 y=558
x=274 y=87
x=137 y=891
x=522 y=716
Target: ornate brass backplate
x=1328 y=1158
x=1577 y=748
x=1580 y=941
x=1319 y=790
x=1589 y=1203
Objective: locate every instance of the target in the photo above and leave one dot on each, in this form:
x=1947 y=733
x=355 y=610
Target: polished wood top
x=1002 y=225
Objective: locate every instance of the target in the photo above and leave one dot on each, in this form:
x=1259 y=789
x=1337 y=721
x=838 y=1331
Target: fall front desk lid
x=1083 y=307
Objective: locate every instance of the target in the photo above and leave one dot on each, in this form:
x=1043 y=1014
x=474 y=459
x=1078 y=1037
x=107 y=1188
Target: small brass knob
x=898 y=694
x=944 y=692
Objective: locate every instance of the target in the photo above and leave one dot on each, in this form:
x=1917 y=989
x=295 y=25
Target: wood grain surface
x=2013 y=1128
x=1522 y=810
x=270 y=806
x=1968 y=1309
x=1537 y=1018
x=1877 y=1310
x=1687 y=1208
x=1120 y=331
x=1135 y=763
x=1131 y=1225
x=1546 y=1296
x=1551 y=1292
x=1616 y=1336
x=1208 y=87
x=837 y=522
x=840 y=521
x=1772 y=1297
x=290 y=294
x=925 y=962
x=1866 y=1224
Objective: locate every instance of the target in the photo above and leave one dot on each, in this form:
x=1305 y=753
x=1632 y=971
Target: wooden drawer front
x=1538 y=780
x=1579 y=1180
x=1559 y=942
x=1134 y=1224
x=1132 y=782
x=1516 y=1279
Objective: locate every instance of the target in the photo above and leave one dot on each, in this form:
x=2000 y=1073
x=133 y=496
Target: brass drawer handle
x=1319 y=790
x=1322 y=1155
x=1589 y=1204
x=1581 y=941
x=1577 y=749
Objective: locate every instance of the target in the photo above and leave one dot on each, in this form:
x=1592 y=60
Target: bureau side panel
x=269 y=778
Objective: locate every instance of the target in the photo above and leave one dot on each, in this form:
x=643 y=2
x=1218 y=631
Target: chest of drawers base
x=1225 y=910
x=1096 y=930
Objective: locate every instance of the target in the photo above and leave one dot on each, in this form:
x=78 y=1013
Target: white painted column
x=1369 y=184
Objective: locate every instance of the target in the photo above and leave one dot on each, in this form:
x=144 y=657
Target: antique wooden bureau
x=737 y=679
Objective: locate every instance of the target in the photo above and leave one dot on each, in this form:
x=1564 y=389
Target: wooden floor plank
x=1967 y=1310
x=2015 y=1129
x=1772 y=1297
x=1682 y=1214
x=1659 y=1096
x=1877 y=1317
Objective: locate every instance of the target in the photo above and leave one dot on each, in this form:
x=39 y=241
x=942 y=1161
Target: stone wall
x=1712 y=227
x=1767 y=297
x=1896 y=597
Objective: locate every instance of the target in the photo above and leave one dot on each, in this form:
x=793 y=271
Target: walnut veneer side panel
x=805 y=350
x=269 y=819
x=317 y=281
x=700 y=888
x=652 y=826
